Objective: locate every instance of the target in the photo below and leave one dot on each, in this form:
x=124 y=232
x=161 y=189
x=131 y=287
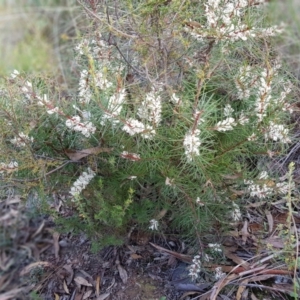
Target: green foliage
x=168 y=111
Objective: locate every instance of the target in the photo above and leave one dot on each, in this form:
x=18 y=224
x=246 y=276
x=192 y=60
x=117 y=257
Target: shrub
x=177 y=103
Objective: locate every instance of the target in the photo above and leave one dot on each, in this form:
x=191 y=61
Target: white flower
x=277 y=132
x=85 y=128
x=191 y=144
x=218 y=273
x=13 y=165
x=256 y=190
x=81 y=183
x=133 y=126
x=114 y=108
x=228 y=110
x=83 y=47
x=169 y=182
x=175 y=99
x=150 y=108
x=153 y=224
x=243 y=119
x=199 y=202
x=130 y=156
x=14 y=74
x=195 y=268
x=225 y=125
x=101 y=81
x=21 y=140
x=236 y=212
x=263 y=175
x=84 y=92
x=27 y=90
x=53 y=110
x=215 y=247
x=252 y=137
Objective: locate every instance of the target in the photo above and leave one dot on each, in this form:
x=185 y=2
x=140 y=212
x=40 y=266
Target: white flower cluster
x=130 y=156
x=215 y=247
x=236 y=212
x=12 y=166
x=225 y=125
x=153 y=224
x=191 y=144
x=101 y=81
x=266 y=187
x=244 y=82
x=80 y=184
x=27 y=90
x=14 y=74
x=264 y=96
x=150 y=108
x=86 y=128
x=260 y=191
x=249 y=82
x=83 y=47
x=195 y=268
x=21 y=140
x=224 y=21
x=115 y=105
x=243 y=119
x=133 y=126
x=175 y=99
x=84 y=92
x=287 y=88
x=277 y=132
x=228 y=110
x=218 y=273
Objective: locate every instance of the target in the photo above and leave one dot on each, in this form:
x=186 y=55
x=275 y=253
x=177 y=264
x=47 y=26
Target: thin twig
x=39 y=178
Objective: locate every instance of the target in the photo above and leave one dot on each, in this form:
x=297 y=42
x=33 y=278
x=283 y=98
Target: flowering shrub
x=184 y=94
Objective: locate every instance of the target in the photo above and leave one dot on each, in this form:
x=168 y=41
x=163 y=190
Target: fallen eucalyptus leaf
x=82 y=281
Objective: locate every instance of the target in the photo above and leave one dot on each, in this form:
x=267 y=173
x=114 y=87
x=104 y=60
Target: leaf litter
x=61 y=266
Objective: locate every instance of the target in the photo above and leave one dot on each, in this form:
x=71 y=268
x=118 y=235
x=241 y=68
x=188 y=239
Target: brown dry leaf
x=234 y=176
x=241 y=289
x=261 y=277
x=135 y=256
x=87 y=294
x=11 y=294
x=220 y=284
x=245 y=232
x=270 y=221
x=253 y=297
x=56 y=296
x=55 y=236
x=70 y=271
x=236 y=258
x=39 y=229
x=183 y=257
x=66 y=287
x=103 y=296
x=32 y=266
x=82 y=281
x=236 y=192
x=13 y=200
x=284 y=288
x=122 y=272
x=98 y=281
x=86 y=274
x=76 y=155
x=11 y=216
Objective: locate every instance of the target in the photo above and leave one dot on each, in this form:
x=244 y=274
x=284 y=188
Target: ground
x=37 y=262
